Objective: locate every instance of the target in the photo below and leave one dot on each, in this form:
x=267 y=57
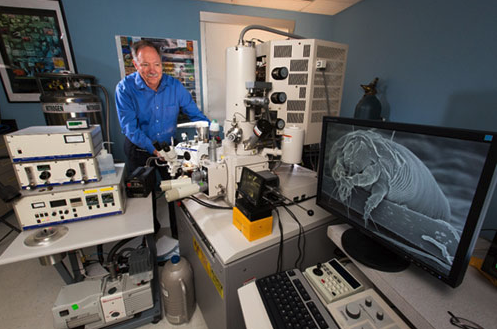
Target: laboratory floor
x=28 y=289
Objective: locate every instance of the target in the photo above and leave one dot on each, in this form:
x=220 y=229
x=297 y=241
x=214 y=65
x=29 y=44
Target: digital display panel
x=58 y=203
x=37 y=205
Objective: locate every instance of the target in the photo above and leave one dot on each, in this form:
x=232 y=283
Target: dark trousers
x=137 y=157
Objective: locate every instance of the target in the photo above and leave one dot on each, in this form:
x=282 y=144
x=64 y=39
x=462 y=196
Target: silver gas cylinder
x=177 y=287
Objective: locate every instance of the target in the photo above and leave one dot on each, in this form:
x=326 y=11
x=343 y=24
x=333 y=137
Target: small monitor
x=251 y=186
x=417 y=192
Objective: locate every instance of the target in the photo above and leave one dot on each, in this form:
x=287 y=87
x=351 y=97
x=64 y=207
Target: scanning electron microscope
x=277 y=93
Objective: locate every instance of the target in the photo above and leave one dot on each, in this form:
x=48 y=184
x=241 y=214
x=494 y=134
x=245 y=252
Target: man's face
x=149 y=66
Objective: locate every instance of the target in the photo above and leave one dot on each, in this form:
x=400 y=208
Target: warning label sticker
x=207 y=267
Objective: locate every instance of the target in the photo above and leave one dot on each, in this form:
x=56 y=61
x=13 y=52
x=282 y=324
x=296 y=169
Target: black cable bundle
x=115 y=248
x=279 y=201
x=301 y=249
x=208 y=205
x=281 y=243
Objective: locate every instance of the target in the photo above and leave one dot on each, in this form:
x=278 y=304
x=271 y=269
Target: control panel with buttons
x=365 y=309
x=33 y=175
x=49 y=206
x=332 y=281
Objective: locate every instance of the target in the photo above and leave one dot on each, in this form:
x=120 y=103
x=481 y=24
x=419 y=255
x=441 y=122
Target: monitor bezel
x=478 y=209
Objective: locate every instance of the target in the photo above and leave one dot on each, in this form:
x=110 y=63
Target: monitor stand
x=367 y=251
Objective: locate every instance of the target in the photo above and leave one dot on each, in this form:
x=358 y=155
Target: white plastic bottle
x=106 y=163
x=214 y=129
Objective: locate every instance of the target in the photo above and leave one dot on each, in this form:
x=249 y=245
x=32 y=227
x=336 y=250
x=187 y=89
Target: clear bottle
x=106 y=162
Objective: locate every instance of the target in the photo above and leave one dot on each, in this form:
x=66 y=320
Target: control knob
x=278 y=98
x=280 y=73
x=280 y=124
x=70 y=173
x=353 y=310
x=317 y=271
x=380 y=315
x=45 y=175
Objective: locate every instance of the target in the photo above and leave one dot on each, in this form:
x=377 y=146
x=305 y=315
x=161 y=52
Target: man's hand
x=157 y=154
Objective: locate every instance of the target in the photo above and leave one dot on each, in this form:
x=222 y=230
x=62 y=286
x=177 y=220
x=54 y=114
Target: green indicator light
x=78 y=123
x=74 y=306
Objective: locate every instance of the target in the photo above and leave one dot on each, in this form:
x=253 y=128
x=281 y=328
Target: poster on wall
x=179 y=57
x=33 y=40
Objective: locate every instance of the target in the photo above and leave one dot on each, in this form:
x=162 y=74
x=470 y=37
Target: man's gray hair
x=136 y=46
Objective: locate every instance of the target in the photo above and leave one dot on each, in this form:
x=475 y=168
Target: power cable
x=208 y=205
x=301 y=246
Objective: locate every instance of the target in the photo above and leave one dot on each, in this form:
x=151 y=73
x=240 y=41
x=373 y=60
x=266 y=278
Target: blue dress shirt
x=146 y=115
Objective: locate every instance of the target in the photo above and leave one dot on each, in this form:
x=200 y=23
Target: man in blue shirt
x=148 y=103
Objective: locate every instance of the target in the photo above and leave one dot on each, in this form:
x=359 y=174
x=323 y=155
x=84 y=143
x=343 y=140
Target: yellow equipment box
x=252 y=229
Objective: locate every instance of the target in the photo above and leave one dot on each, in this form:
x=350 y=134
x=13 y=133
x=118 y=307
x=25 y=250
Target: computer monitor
x=412 y=193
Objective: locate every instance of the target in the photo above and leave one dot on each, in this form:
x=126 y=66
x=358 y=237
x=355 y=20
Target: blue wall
x=93 y=25
x=436 y=62
x=436 y=59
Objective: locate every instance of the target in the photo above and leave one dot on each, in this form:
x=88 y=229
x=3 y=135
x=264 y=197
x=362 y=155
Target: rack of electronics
x=59 y=177
x=63 y=177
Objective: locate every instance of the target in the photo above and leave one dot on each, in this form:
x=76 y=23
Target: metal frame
x=36 y=9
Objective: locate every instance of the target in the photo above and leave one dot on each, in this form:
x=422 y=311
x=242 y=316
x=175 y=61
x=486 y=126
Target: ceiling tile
x=293 y=5
x=324 y=7
x=328 y=7
x=220 y=1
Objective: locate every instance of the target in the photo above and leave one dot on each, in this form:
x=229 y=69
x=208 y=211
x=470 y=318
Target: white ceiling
x=324 y=7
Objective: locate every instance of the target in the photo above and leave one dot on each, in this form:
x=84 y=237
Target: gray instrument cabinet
x=223 y=260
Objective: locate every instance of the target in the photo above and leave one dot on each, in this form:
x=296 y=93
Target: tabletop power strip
x=365 y=309
x=332 y=281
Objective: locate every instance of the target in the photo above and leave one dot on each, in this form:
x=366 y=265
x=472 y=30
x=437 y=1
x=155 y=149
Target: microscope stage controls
x=365 y=309
x=332 y=281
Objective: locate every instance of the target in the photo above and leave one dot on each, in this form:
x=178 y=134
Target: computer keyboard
x=291 y=302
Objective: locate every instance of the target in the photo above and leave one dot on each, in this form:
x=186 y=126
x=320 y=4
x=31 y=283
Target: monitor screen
x=251 y=186
x=419 y=191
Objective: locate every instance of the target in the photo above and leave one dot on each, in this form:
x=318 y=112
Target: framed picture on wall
x=33 y=39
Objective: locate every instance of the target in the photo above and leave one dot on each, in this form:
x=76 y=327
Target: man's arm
x=187 y=104
x=127 y=116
